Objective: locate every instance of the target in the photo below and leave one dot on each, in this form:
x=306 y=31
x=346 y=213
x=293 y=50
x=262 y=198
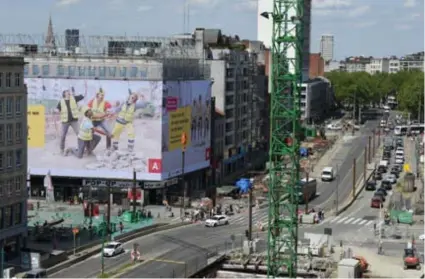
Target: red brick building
x=317 y=65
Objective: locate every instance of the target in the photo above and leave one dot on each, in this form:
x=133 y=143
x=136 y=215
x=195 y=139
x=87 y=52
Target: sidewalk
x=381 y=265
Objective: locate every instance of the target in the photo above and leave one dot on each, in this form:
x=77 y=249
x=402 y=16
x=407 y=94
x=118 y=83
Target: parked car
x=379 y=194
x=377 y=175
x=399 y=161
x=217 y=220
x=383 y=191
x=376 y=202
x=395 y=171
x=392 y=178
x=371 y=185
x=386 y=184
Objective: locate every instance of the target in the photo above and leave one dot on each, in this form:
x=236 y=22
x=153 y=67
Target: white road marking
x=362 y=222
x=334 y=219
x=369 y=223
x=341 y=220
x=356 y=221
x=349 y=220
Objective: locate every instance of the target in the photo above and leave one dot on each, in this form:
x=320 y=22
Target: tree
x=363 y=88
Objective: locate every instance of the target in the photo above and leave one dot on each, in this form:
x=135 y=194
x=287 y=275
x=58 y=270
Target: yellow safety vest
x=84 y=133
x=127 y=112
x=97 y=108
x=64 y=109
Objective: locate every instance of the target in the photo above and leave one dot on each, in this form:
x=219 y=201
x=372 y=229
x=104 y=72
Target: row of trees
x=363 y=88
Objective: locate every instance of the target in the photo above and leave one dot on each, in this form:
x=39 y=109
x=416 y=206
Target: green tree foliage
x=363 y=88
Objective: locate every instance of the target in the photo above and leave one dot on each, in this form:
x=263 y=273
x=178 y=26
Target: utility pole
x=2 y=259
x=213 y=155
x=365 y=165
x=250 y=211
x=354 y=177
x=108 y=216
x=134 y=193
x=373 y=140
x=306 y=197
x=336 y=190
x=380 y=230
x=183 y=141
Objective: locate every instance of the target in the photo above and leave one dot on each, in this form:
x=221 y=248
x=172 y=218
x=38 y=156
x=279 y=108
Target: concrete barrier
x=125 y=238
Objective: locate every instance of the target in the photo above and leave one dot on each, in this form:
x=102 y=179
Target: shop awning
x=225 y=190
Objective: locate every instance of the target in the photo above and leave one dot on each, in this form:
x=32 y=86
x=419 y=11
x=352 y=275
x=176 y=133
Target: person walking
x=87 y=140
x=68 y=109
x=100 y=109
x=125 y=120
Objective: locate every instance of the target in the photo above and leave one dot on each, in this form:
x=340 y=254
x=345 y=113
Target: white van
x=328 y=174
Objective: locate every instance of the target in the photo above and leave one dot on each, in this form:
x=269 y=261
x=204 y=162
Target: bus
x=400 y=130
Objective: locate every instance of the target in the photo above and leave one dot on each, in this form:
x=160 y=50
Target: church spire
x=50 y=37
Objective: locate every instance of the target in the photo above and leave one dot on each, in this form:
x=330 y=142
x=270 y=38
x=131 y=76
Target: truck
x=308 y=189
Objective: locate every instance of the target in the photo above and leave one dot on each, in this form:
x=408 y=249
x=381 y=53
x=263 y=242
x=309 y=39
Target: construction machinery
x=285 y=127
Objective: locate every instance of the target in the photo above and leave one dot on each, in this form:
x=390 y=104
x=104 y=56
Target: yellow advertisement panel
x=179 y=123
x=36 y=125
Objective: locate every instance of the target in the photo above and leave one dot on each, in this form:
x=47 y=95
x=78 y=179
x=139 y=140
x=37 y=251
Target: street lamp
x=183 y=141
x=245 y=186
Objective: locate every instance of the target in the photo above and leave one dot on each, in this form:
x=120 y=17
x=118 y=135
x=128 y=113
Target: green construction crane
x=286 y=75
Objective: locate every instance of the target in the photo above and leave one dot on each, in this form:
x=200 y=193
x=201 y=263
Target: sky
x=360 y=27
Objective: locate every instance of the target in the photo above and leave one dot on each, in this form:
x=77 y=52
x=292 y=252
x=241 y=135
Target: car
x=217 y=220
x=376 y=202
x=382 y=190
x=395 y=171
x=386 y=184
x=377 y=175
x=379 y=194
x=387 y=154
x=392 y=178
x=399 y=156
x=397 y=168
x=371 y=185
x=112 y=249
x=399 y=161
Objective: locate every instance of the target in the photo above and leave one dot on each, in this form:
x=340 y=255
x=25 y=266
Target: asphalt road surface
x=353 y=149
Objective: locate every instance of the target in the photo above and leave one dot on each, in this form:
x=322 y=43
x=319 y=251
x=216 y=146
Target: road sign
x=75 y=231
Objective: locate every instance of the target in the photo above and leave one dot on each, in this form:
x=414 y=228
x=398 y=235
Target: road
x=343 y=163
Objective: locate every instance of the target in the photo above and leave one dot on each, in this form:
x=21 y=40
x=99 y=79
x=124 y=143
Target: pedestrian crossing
x=340 y=220
x=259 y=216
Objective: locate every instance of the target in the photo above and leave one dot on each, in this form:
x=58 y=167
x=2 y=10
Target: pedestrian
x=121 y=227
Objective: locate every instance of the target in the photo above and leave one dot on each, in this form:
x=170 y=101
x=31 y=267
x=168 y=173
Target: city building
x=327 y=47
x=334 y=66
x=158 y=73
x=265 y=28
x=13 y=157
x=218 y=150
x=378 y=65
x=394 y=66
x=239 y=88
x=317 y=65
x=72 y=39
x=317 y=98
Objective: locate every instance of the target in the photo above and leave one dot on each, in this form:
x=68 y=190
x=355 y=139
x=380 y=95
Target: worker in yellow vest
x=68 y=109
x=101 y=111
x=87 y=139
x=125 y=120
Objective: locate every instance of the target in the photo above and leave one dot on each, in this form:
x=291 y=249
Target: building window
x=123 y=72
x=71 y=71
x=18 y=159
x=112 y=71
x=143 y=73
x=18 y=106
x=45 y=70
x=1 y=134
x=17 y=212
x=35 y=70
x=230 y=86
x=26 y=70
x=9 y=135
x=60 y=70
x=9 y=186
x=81 y=71
x=18 y=132
x=7 y=216
x=102 y=71
x=1 y=214
x=18 y=184
x=133 y=72
x=228 y=140
x=8 y=79
x=92 y=71
x=9 y=157
x=1 y=107
x=1 y=79
x=9 y=106
x=1 y=161
x=17 y=79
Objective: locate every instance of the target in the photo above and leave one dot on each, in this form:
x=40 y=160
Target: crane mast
x=286 y=76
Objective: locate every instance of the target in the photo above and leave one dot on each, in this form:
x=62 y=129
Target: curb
x=123 y=239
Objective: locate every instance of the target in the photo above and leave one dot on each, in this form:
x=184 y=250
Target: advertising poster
x=94 y=128
x=186 y=110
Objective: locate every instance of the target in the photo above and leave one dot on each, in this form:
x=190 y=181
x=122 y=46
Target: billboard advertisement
x=95 y=128
x=186 y=109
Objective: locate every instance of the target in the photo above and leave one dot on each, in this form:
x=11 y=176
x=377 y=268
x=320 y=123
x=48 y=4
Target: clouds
x=410 y=3
x=63 y=3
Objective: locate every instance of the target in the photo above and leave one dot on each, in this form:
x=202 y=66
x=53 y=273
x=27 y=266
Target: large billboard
x=119 y=134
x=186 y=109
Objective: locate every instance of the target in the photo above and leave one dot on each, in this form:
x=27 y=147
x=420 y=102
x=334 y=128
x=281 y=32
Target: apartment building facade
x=317 y=97
x=13 y=157
x=327 y=47
x=378 y=65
